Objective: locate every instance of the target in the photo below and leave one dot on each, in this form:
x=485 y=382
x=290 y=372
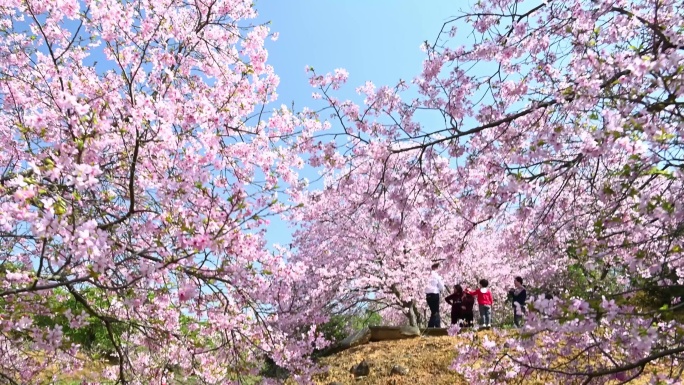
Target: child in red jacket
x=484 y=303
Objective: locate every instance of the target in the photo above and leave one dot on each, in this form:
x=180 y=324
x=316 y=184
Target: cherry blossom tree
x=370 y=236
x=368 y=239
x=137 y=172
x=570 y=146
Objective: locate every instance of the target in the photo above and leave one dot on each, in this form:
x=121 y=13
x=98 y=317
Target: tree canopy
x=140 y=163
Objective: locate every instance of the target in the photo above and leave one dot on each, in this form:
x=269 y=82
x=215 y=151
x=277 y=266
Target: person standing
x=455 y=299
x=468 y=304
x=434 y=287
x=484 y=302
x=519 y=297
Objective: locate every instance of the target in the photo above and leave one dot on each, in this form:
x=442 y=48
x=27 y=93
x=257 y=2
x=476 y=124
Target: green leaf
x=657 y=171
x=60 y=206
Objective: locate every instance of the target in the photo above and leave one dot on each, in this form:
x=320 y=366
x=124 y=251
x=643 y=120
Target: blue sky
x=376 y=40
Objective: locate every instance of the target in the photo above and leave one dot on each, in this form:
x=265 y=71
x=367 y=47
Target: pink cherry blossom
x=562 y=167
x=131 y=184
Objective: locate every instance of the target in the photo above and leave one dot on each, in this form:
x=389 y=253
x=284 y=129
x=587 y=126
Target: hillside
x=427 y=360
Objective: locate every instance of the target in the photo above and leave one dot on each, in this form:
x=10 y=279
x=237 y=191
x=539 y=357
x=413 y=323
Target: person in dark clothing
x=518 y=297
x=456 y=302
x=468 y=304
x=461 y=307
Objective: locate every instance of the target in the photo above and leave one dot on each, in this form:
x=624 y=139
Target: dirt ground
x=427 y=360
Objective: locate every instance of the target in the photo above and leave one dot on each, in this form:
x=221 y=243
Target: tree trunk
x=412 y=311
x=419 y=319
x=412 y=314
x=413 y=320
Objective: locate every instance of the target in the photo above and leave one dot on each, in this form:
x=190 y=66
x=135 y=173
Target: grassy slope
x=427 y=359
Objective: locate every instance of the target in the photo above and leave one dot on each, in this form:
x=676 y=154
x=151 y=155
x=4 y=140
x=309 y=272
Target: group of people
x=462 y=302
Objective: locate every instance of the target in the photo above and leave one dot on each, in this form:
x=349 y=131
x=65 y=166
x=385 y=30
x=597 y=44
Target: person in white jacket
x=433 y=289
